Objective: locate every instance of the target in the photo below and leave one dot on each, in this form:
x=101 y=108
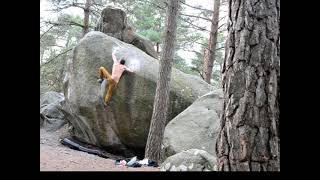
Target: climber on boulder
x=117 y=70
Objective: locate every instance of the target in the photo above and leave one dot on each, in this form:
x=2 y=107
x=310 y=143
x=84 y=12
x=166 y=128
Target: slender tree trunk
x=209 y=55
x=63 y=69
x=42 y=50
x=161 y=101
x=86 y=10
x=249 y=138
x=158 y=43
x=158 y=47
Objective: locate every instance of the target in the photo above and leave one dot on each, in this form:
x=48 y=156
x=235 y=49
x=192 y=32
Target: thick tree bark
x=161 y=101
x=249 y=138
x=210 y=52
x=86 y=10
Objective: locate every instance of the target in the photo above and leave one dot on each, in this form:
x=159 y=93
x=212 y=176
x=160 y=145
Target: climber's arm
x=128 y=69
x=114 y=58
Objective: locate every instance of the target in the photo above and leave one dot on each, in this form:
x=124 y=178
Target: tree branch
x=196 y=7
x=199 y=52
x=192 y=51
x=221 y=25
x=71 y=23
x=198 y=71
x=78 y=5
x=158 y=6
x=95 y=13
x=204 y=45
x=195 y=26
x=56 y=45
x=198 y=27
x=73 y=4
x=222 y=18
x=219 y=48
x=207 y=19
x=46 y=32
x=56 y=57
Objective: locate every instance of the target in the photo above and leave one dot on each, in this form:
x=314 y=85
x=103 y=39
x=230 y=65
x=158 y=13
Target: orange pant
x=104 y=74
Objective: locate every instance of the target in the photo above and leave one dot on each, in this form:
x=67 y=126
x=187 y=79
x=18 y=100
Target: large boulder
x=51 y=114
x=196 y=127
x=190 y=160
x=113 y=22
x=124 y=126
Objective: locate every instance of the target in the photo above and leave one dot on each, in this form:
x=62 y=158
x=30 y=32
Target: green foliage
x=147 y=19
x=61 y=37
x=52 y=73
x=53 y=44
x=181 y=64
x=152 y=35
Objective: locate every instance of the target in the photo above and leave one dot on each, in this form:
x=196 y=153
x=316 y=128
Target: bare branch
x=219 y=48
x=73 y=4
x=95 y=13
x=78 y=5
x=191 y=51
x=204 y=45
x=127 y=9
x=207 y=19
x=59 y=8
x=196 y=7
x=198 y=71
x=221 y=25
x=56 y=57
x=195 y=26
x=222 y=18
x=56 y=45
x=46 y=32
x=158 y=6
x=198 y=27
x=93 y=2
x=71 y=23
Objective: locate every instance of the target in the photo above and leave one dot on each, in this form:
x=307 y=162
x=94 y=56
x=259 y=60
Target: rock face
x=190 y=160
x=124 y=126
x=196 y=127
x=51 y=113
x=113 y=22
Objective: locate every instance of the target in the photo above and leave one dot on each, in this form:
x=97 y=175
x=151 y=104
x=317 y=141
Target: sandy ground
x=57 y=157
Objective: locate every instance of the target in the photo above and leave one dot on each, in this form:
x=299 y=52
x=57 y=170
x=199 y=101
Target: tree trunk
x=210 y=52
x=161 y=101
x=158 y=47
x=86 y=10
x=249 y=138
x=42 y=50
x=63 y=68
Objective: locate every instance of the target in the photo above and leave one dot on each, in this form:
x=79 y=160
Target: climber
x=117 y=69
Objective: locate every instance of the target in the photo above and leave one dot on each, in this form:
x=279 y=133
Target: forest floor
x=57 y=157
